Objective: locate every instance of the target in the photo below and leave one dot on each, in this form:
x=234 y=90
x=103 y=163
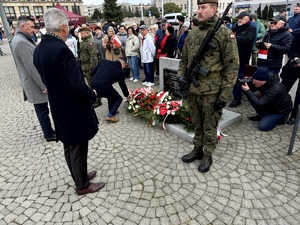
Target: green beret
x=200 y=2
x=84 y=29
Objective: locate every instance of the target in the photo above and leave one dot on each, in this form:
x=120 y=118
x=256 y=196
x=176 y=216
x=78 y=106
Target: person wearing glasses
x=274 y=45
x=35 y=90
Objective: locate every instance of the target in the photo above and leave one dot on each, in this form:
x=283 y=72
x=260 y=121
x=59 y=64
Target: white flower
x=137 y=106
x=134 y=101
x=129 y=107
x=130 y=102
x=168 y=106
x=169 y=97
x=169 y=111
x=157 y=111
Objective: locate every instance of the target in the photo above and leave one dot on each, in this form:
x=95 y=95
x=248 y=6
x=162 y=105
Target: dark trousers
x=237 y=89
x=42 y=112
x=76 y=158
x=289 y=76
x=114 y=100
x=149 y=72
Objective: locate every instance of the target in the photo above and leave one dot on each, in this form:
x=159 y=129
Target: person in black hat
x=245 y=35
x=273 y=104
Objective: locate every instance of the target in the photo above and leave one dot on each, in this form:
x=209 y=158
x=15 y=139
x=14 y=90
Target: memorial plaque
x=170 y=82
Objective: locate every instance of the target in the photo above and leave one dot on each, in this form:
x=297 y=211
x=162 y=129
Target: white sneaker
x=149 y=84
x=136 y=80
x=145 y=83
x=131 y=78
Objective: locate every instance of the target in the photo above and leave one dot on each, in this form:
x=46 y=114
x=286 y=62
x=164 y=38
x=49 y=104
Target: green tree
x=258 y=11
x=171 y=8
x=112 y=11
x=97 y=15
x=265 y=12
x=270 y=12
x=154 y=12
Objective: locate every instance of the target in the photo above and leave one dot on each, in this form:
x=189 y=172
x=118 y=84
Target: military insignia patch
x=91 y=44
x=232 y=36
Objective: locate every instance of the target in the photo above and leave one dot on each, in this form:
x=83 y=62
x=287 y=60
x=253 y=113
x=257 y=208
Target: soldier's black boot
x=197 y=153
x=205 y=163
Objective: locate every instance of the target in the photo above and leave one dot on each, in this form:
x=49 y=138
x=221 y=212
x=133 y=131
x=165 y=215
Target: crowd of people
x=73 y=68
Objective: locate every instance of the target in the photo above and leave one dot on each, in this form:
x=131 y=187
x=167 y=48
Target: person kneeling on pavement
x=272 y=103
x=104 y=76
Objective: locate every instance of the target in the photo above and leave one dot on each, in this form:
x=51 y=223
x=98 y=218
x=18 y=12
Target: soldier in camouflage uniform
x=207 y=100
x=88 y=56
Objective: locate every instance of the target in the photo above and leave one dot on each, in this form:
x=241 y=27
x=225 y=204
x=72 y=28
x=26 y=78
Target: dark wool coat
x=105 y=75
x=245 y=37
x=69 y=97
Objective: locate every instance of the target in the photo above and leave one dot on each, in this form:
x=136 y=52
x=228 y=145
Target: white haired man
x=70 y=98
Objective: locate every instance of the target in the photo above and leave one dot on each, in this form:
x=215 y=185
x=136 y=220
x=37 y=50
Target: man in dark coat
x=273 y=104
x=103 y=77
x=245 y=34
x=69 y=97
x=274 y=45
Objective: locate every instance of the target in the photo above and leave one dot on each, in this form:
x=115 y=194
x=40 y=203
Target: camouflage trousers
x=205 y=120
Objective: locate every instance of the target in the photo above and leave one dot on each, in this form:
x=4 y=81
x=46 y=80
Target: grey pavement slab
x=252 y=180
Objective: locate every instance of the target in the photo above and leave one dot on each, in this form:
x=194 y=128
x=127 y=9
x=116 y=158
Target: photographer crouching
x=273 y=104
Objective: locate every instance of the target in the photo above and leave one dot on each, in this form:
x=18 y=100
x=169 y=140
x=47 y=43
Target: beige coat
x=110 y=47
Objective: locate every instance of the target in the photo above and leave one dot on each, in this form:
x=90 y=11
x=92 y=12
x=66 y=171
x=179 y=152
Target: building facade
x=13 y=9
x=252 y=5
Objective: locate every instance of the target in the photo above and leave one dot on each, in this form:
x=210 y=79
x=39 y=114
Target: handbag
x=116 y=51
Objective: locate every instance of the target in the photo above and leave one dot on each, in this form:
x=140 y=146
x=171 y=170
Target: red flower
x=148 y=100
x=152 y=96
x=163 y=111
x=148 y=107
x=174 y=104
x=189 y=119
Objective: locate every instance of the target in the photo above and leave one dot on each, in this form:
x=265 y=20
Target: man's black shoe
x=197 y=153
x=205 y=164
x=234 y=103
x=290 y=121
x=51 y=138
x=256 y=118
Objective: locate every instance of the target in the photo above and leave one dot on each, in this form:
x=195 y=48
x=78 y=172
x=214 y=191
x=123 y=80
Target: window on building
x=10 y=12
x=38 y=11
x=49 y=7
x=76 y=9
x=24 y=10
x=66 y=7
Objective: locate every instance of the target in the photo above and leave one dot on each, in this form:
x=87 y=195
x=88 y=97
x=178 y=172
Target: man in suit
x=70 y=98
x=36 y=92
x=103 y=77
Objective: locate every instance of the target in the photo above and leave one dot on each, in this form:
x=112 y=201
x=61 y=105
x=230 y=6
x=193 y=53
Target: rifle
x=195 y=67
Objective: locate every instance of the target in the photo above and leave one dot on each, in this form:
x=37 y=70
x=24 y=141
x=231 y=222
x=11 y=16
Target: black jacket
x=169 y=46
x=273 y=99
x=70 y=98
x=281 y=41
x=245 y=36
x=105 y=75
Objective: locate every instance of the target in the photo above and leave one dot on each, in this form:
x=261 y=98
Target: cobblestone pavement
x=252 y=181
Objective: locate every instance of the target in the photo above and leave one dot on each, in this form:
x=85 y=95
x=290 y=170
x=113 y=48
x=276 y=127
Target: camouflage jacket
x=88 y=53
x=223 y=62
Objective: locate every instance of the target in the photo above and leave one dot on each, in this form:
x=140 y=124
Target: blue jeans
x=269 y=121
x=133 y=63
x=149 y=72
x=42 y=112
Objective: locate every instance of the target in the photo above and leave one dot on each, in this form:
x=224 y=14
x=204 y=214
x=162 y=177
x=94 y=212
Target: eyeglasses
x=273 y=22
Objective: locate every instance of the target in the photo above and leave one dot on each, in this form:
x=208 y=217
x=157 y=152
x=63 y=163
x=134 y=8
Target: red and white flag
x=117 y=42
x=262 y=54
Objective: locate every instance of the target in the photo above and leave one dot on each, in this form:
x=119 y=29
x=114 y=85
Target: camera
x=295 y=62
x=245 y=80
x=261 y=45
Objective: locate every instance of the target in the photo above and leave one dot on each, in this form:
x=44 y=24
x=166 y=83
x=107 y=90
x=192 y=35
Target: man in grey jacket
x=35 y=90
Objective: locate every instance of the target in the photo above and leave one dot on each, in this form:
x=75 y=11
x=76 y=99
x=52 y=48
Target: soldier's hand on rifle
x=219 y=104
x=183 y=83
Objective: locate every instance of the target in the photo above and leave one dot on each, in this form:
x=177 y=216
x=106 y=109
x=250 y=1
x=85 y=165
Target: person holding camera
x=291 y=73
x=274 y=45
x=273 y=104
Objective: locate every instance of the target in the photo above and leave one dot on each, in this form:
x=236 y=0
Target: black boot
x=197 y=153
x=205 y=163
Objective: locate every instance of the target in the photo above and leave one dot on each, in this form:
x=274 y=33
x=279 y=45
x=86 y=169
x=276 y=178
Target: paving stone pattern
x=251 y=182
